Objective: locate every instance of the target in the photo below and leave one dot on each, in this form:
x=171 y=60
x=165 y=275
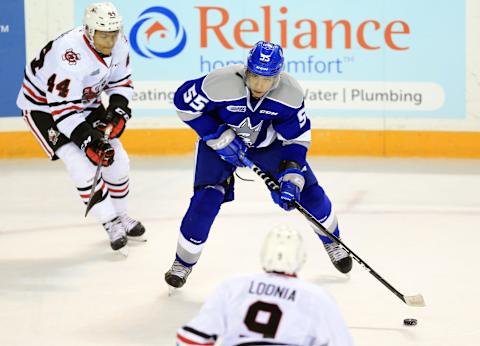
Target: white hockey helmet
x=283 y=251
x=101 y=16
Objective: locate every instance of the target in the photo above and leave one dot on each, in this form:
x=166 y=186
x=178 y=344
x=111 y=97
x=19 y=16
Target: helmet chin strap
x=276 y=82
x=90 y=37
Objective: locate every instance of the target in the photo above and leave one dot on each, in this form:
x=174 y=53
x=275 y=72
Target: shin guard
x=314 y=199
x=204 y=207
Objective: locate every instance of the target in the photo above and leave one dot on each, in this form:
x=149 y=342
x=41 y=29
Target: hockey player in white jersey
x=60 y=100
x=270 y=308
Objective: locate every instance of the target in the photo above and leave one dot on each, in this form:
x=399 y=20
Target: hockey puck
x=410 y=322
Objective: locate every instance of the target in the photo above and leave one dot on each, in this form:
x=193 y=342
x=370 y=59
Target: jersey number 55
x=191 y=97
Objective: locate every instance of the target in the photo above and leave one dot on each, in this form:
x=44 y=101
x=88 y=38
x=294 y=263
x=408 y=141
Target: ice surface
x=416 y=222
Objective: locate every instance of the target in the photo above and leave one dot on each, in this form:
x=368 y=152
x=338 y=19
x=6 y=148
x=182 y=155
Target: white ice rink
x=416 y=222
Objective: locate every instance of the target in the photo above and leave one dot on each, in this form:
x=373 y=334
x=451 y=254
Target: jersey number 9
x=269 y=328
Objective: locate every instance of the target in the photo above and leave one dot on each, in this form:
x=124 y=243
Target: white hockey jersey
x=267 y=309
x=68 y=76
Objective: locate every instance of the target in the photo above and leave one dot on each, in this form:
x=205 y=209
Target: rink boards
x=177 y=141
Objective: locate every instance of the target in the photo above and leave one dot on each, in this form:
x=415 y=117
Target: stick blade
x=89 y=206
x=416 y=301
x=97 y=197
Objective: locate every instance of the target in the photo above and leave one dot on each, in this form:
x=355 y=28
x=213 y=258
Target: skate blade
x=172 y=290
x=123 y=251
x=140 y=239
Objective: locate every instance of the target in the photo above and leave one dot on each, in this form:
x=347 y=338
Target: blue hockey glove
x=291 y=182
x=228 y=145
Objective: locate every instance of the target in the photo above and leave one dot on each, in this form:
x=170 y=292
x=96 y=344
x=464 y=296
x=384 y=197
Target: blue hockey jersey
x=222 y=97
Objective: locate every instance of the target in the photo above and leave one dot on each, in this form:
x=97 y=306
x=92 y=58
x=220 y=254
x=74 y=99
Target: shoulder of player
x=232 y=286
x=316 y=293
x=225 y=84
x=184 y=88
x=70 y=51
x=288 y=92
x=122 y=47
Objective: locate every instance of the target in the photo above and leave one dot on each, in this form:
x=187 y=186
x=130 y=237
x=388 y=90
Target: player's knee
x=121 y=163
x=318 y=204
x=204 y=207
x=77 y=164
x=314 y=199
x=208 y=199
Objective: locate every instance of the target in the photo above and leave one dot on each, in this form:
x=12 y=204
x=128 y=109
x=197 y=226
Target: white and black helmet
x=283 y=251
x=101 y=16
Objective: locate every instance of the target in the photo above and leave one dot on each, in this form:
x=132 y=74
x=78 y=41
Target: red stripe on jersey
x=58 y=111
x=94 y=51
x=121 y=190
x=191 y=342
x=39 y=98
x=129 y=82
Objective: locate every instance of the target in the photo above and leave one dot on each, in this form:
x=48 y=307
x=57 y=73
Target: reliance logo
x=303 y=33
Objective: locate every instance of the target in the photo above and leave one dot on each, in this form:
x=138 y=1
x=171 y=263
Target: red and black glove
x=91 y=141
x=117 y=115
x=100 y=150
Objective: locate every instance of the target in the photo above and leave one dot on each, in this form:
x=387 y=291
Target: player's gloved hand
x=99 y=150
x=228 y=145
x=117 y=116
x=291 y=182
x=91 y=141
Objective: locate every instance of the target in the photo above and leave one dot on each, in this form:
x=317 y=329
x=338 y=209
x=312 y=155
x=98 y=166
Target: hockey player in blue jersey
x=255 y=111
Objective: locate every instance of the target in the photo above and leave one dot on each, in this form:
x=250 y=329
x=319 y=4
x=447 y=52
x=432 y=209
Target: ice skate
x=117 y=234
x=339 y=257
x=135 y=230
x=177 y=275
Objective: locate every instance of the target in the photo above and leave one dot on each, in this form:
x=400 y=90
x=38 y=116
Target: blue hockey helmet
x=265 y=59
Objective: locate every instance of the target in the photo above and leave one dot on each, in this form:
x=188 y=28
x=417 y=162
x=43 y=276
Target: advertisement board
x=368 y=58
x=12 y=55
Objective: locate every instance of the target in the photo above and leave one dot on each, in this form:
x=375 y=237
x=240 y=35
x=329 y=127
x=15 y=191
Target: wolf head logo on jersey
x=159 y=27
x=246 y=131
x=71 y=56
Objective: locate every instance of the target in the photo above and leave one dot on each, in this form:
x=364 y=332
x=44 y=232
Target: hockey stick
x=272 y=184
x=91 y=199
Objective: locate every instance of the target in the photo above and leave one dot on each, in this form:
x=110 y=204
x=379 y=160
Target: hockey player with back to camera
x=269 y=308
x=255 y=111
x=60 y=100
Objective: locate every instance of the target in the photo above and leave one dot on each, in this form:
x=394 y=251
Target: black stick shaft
x=90 y=203
x=273 y=185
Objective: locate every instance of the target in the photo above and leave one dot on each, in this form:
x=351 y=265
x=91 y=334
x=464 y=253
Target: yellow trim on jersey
x=324 y=142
